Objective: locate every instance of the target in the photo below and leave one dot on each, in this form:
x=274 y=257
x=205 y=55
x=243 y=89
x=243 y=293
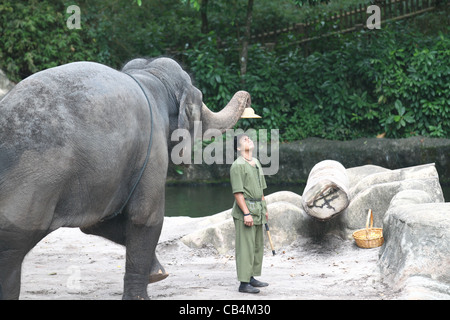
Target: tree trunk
x=327 y=190
x=244 y=52
x=204 y=16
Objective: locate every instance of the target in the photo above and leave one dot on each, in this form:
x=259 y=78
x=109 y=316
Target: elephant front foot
x=155 y=277
x=157 y=272
x=135 y=287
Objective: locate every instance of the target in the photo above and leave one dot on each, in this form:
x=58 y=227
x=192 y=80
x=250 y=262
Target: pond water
x=206 y=200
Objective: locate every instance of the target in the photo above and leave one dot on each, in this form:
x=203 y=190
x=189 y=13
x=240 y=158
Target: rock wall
x=298 y=158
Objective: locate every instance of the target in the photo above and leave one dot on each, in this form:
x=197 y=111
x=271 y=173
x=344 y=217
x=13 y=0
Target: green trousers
x=249 y=250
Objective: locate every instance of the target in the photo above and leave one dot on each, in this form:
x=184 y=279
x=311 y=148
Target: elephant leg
x=14 y=245
x=114 y=230
x=141 y=243
x=10 y=274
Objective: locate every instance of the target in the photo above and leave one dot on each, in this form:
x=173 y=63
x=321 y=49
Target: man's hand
x=248 y=221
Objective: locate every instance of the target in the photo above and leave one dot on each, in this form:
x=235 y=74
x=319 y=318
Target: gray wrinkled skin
x=72 y=142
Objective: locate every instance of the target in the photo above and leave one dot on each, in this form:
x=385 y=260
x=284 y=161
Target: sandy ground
x=69 y=265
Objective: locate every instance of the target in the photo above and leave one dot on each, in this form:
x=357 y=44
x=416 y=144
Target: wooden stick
x=270 y=239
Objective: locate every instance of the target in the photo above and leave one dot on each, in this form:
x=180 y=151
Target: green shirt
x=250 y=181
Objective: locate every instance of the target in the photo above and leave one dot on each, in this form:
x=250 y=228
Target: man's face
x=245 y=144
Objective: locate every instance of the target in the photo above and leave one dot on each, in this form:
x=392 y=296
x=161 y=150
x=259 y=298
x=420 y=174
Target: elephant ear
x=189 y=112
x=183 y=113
x=190 y=109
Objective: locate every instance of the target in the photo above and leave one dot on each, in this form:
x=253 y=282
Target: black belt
x=254 y=200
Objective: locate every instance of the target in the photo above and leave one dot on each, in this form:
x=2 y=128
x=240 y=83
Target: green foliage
x=125 y=30
x=34 y=36
x=393 y=80
x=213 y=71
x=394 y=83
x=411 y=83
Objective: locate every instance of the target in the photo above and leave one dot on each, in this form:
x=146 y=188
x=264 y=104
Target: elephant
x=75 y=152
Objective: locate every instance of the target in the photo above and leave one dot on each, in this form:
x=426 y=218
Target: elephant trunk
x=228 y=116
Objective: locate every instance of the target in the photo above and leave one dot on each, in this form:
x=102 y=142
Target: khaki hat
x=249 y=113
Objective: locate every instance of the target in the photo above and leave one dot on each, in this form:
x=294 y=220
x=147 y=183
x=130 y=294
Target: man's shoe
x=257 y=283
x=247 y=288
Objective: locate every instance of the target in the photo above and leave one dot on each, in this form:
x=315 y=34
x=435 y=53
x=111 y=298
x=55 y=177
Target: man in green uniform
x=249 y=214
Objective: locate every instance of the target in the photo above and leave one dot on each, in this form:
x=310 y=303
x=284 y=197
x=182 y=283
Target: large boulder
x=218 y=235
x=417 y=243
x=375 y=187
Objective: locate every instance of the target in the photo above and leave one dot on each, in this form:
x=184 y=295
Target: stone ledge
x=417 y=241
x=299 y=157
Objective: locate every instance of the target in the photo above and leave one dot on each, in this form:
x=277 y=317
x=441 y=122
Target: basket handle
x=369 y=217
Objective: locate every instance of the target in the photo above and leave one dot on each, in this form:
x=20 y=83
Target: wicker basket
x=369 y=237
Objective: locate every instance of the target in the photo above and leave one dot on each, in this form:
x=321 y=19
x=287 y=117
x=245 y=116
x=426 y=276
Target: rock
x=426 y=171
x=409 y=197
x=220 y=236
x=376 y=190
x=417 y=241
x=355 y=174
x=286 y=196
x=287 y=221
x=327 y=190
x=424 y=288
